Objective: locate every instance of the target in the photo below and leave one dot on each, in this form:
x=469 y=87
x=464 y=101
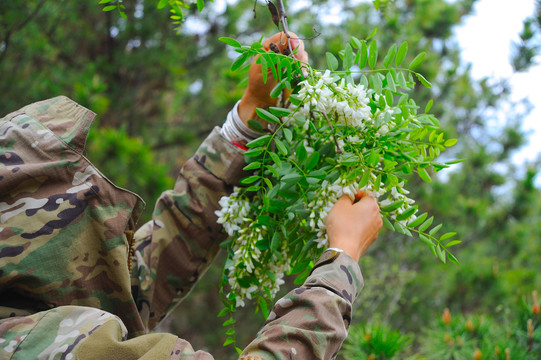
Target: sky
x=485 y=38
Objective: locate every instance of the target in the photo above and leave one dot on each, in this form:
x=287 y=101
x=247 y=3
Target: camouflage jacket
x=77 y=280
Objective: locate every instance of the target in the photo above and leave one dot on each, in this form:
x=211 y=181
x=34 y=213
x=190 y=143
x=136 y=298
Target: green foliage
x=374 y=341
x=337 y=135
x=515 y=334
x=525 y=52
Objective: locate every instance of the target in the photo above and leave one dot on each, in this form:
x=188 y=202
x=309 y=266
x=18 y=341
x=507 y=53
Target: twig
x=338 y=148
x=283 y=20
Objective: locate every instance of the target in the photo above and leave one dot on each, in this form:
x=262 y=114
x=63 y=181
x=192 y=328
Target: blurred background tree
x=158 y=93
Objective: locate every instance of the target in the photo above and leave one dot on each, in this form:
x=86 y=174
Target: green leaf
x=426 y=239
x=224 y=312
x=267 y=116
x=108 y=1
x=264 y=66
x=200 y=5
x=259 y=141
x=161 y=4
x=373 y=159
x=406 y=214
x=441 y=254
x=423 y=81
x=268 y=182
x=453 y=243
x=264 y=308
x=402 y=80
x=277 y=90
x=228 y=322
x=450 y=142
x=276 y=159
x=364 y=54
x=278 y=111
x=255 y=125
x=348 y=57
x=109 y=7
x=429 y=106
x=390 y=85
x=401 y=54
x=426 y=224
x=250 y=179
x=273 y=171
x=418 y=220
x=393 y=206
x=364 y=179
x=239 y=61
x=332 y=62
x=447 y=236
x=275 y=241
x=376 y=83
x=372 y=34
x=390 y=56
x=291 y=178
x=435 y=229
x=387 y=223
x=300 y=153
x=372 y=54
x=312 y=161
x=229 y=341
x=458 y=161
x=229 y=41
x=254 y=152
x=399 y=228
x=252 y=166
x=288 y=134
x=280 y=146
x=417 y=60
x=453 y=259
x=356 y=43
x=423 y=174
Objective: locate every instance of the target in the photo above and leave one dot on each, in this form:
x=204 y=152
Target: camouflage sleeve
x=311 y=322
x=173 y=250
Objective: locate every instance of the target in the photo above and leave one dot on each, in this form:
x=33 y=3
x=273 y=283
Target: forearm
x=177 y=247
x=311 y=322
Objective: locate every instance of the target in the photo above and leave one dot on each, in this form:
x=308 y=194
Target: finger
x=281 y=41
x=360 y=194
x=344 y=200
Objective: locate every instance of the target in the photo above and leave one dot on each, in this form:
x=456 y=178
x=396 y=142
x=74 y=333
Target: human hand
x=353 y=227
x=257 y=94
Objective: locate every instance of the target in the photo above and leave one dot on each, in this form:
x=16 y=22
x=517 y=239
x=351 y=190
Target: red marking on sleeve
x=239 y=146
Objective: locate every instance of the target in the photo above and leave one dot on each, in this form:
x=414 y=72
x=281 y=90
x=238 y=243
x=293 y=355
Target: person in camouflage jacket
x=78 y=282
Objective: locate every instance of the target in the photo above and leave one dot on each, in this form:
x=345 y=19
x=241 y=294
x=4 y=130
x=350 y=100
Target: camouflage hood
x=62 y=223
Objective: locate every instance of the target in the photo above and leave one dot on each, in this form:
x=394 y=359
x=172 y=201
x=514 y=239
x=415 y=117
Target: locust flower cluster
x=331 y=102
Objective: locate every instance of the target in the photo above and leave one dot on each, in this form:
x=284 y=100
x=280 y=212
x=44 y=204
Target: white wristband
x=235 y=130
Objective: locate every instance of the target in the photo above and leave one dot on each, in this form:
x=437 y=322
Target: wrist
x=247 y=106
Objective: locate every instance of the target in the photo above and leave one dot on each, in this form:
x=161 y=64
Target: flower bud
x=469 y=326
x=368 y=336
x=447 y=338
x=446 y=317
x=477 y=355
